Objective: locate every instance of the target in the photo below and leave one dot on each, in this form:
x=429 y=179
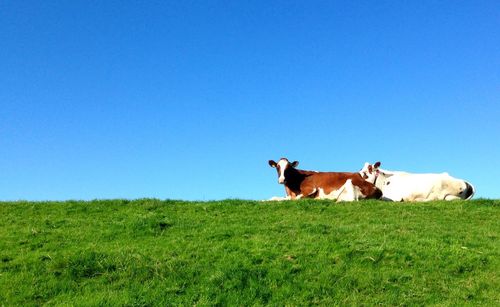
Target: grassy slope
x=241 y=252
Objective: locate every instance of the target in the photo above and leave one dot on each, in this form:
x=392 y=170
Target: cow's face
x=370 y=172
x=281 y=167
x=458 y=188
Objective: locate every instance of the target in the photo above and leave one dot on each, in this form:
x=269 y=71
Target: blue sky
x=190 y=99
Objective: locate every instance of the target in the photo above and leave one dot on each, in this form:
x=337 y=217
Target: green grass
x=232 y=252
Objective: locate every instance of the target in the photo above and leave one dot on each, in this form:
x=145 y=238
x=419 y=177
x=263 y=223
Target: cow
x=340 y=186
x=403 y=186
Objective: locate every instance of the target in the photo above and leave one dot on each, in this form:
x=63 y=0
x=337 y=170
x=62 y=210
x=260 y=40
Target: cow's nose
x=469 y=190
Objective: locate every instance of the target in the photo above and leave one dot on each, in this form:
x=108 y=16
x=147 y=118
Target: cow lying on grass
x=322 y=185
x=403 y=186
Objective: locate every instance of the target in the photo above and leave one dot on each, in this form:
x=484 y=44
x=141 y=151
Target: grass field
x=233 y=252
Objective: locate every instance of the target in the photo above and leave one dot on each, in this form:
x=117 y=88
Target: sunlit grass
x=233 y=252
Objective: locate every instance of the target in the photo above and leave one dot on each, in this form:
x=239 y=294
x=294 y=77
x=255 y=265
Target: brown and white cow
x=340 y=186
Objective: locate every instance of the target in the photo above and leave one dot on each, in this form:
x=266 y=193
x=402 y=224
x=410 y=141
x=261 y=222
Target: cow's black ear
x=294 y=163
x=377 y=164
x=272 y=163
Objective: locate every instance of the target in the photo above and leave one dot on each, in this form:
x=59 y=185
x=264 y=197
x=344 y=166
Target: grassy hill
x=233 y=252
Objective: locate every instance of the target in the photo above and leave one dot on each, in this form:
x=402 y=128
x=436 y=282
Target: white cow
x=403 y=186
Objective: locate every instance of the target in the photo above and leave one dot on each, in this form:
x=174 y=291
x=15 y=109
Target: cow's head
x=458 y=188
x=370 y=172
x=282 y=167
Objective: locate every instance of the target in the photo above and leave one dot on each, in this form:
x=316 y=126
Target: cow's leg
x=347 y=192
x=339 y=193
x=289 y=193
x=278 y=198
x=451 y=197
x=307 y=192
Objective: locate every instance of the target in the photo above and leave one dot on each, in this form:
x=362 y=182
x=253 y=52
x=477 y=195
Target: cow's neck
x=380 y=181
x=294 y=178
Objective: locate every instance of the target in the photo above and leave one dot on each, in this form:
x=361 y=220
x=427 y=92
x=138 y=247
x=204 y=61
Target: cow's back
x=328 y=181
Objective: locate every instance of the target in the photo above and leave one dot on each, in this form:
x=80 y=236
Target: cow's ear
x=272 y=163
x=294 y=163
x=377 y=164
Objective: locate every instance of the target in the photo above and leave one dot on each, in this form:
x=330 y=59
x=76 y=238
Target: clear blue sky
x=190 y=99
